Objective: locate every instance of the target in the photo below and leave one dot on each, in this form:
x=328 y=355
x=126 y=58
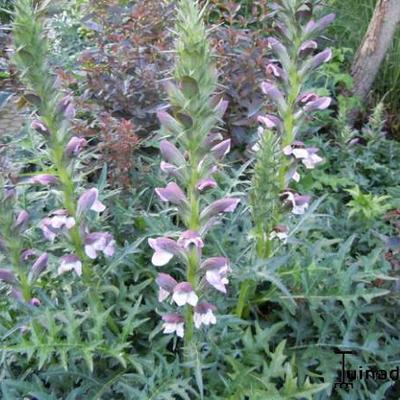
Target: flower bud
x=75 y=146
x=169 y=123
x=40 y=127
x=89 y=200
x=274 y=94
x=7 y=276
x=44 y=179
x=21 y=221
x=172 y=193
x=40 y=265
x=221 y=149
x=171 y=154
x=227 y=204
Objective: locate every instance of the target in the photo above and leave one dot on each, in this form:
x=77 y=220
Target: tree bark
x=374 y=46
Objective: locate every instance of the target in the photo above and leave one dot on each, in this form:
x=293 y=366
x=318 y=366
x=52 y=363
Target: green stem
x=263 y=243
x=69 y=200
x=193 y=258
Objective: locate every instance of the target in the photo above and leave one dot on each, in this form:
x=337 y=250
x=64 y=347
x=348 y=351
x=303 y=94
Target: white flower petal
x=215 y=280
x=98 y=206
x=300 y=153
x=70 y=222
x=161 y=258
x=169 y=327
x=180 y=330
x=180 y=298
x=162 y=294
x=90 y=251
x=192 y=299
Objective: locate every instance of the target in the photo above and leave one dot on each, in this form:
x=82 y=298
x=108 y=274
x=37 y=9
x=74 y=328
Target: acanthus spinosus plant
x=191 y=156
x=281 y=156
x=66 y=224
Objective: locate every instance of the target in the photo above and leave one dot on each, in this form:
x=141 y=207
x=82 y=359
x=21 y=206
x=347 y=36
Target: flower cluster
x=192 y=163
x=280 y=155
x=212 y=272
x=296 y=57
x=60 y=156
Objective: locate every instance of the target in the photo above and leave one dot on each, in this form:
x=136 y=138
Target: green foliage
x=367 y=206
x=334 y=284
x=266 y=207
x=6 y=7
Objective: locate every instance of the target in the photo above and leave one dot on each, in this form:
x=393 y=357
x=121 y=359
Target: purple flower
x=89 y=200
x=66 y=107
x=308 y=47
x=304 y=13
x=272 y=91
x=274 y=70
x=216 y=263
x=75 y=146
x=280 y=51
x=40 y=127
x=298 y=202
x=21 y=221
x=59 y=220
x=227 y=204
x=166 y=284
x=172 y=193
x=35 y=302
x=321 y=103
x=216 y=279
x=204 y=315
x=313 y=27
x=206 y=183
x=184 y=294
x=169 y=123
x=99 y=242
x=171 y=169
x=164 y=250
x=43 y=179
x=7 y=276
x=317 y=60
x=270 y=121
x=307 y=97
x=48 y=231
x=220 y=150
x=40 y=265
x=307 y=156
x=171 y=154
x=27 y=254
x=217 y=269
x=190 y=238
x=173 y=323
x=312 y=159
x=70 y=262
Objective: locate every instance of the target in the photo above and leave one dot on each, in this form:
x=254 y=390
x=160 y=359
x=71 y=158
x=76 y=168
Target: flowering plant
x=280 y=155
x=190 y=121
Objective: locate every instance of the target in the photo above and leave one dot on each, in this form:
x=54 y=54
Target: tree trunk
x=374 y=46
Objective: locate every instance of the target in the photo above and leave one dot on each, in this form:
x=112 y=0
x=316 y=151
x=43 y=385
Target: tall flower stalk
x=190 y=158
x=280 y=155
x=53 y=112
